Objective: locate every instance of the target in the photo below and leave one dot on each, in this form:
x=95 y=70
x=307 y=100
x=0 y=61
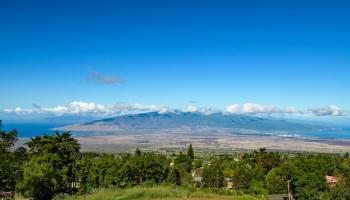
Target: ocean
x=27 y=130
x=345 y=134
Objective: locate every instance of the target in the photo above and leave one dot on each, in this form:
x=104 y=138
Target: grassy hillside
x=158 y=192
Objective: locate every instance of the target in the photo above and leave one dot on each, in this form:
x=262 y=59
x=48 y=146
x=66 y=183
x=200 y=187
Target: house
x=197 y=176
x=228 y=183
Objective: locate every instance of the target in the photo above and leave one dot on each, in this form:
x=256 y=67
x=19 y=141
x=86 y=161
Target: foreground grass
x=158 y=192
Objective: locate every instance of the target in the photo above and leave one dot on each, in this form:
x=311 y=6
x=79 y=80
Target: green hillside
x=168 y=192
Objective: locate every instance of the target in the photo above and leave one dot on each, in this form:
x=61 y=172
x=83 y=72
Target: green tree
x=257 y=188
x=7 y=140
x=21 y=154
x=144 y=167
x=338 y=193
x=41 y=177
x=307 y=175
x=266 y=160
x=62 y=144
x=138 y=152
x=243 y=176
x=190 y=152
x=277 y=181
x=198 y=163
x=10 y=162
x=213 y=176
x=53 y=158
x=305 y=187
x=174 y=176
x=183 y=161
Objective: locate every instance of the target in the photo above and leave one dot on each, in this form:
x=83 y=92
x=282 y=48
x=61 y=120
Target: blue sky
x=175 y=53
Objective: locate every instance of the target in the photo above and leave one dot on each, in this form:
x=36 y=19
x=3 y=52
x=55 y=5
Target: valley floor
x=173 y=141
x=214 y=141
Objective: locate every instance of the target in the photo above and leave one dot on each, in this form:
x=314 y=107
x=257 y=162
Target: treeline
x=53 y=165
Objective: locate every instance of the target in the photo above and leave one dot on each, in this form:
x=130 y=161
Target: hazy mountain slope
x=173 y=120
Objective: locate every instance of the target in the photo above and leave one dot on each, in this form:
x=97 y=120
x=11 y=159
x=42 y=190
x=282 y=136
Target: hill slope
x=165 y=192
x=173 y=120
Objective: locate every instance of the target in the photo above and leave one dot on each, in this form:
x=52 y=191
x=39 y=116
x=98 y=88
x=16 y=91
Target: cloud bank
x=204 y=110
x=331 y=110
x=253 y=108
x=91 y=108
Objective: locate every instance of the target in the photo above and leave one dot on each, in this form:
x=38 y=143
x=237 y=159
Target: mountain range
x=192 y=120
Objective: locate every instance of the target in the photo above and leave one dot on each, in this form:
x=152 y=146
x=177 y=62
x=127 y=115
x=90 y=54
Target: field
x=159 y=192
x=219 y=142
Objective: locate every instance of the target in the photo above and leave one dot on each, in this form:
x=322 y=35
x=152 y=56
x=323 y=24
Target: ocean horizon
x=28 y=130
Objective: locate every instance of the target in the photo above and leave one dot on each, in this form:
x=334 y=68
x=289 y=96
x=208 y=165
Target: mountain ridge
x=173 y=120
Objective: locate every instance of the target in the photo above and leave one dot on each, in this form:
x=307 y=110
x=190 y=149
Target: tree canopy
x=54 y=165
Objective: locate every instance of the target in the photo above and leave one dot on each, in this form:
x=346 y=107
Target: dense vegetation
x=53 y=166
x=165 y=192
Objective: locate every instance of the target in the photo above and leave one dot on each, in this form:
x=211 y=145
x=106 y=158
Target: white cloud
x=330 y=110
x=256 y=108
x=190 y=108
x=19 y=111
x=251 y=108
x=126 y=107
x=203 y=110
x=234 y=108
x=208 y=110
x=291 y=110
x=57 y=109
x=90 y=108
